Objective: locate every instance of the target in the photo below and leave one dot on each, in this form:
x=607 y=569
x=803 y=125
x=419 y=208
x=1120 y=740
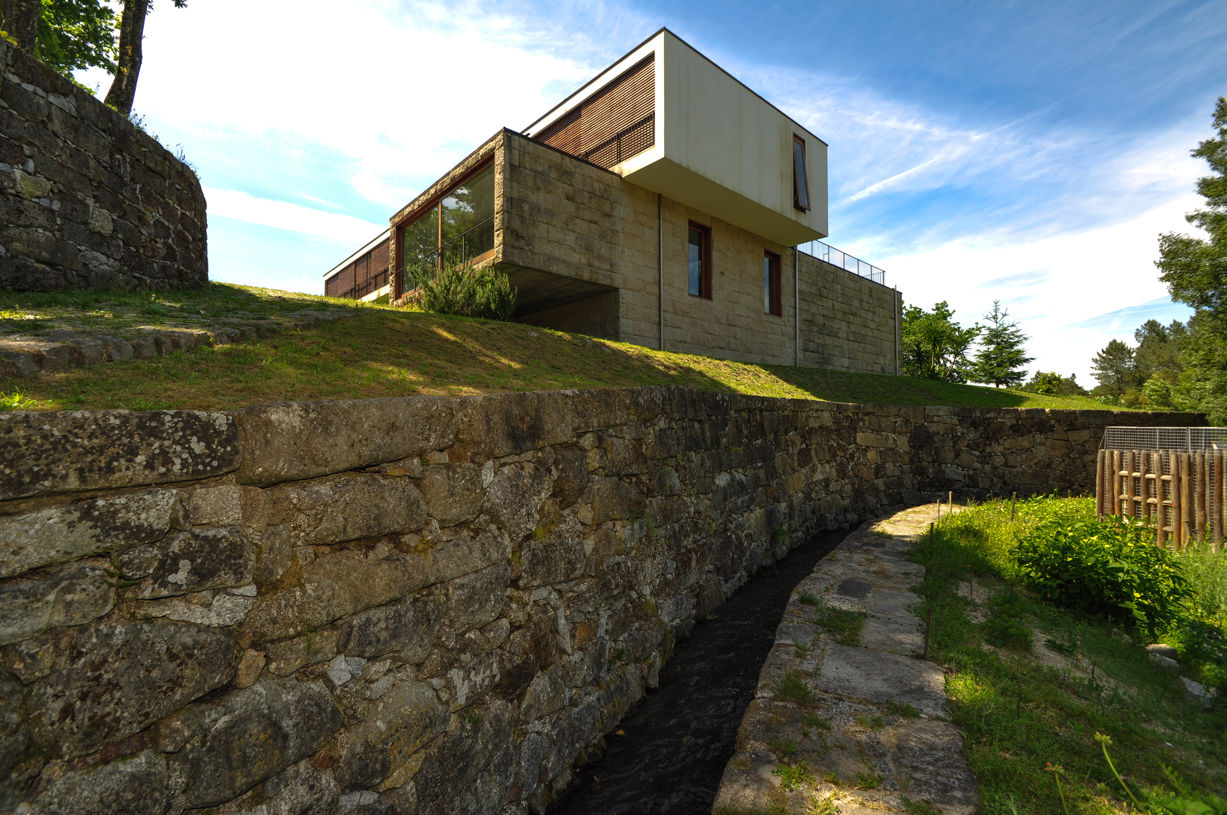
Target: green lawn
x=382 y=351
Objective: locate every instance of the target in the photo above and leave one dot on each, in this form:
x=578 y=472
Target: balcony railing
x=843 y=260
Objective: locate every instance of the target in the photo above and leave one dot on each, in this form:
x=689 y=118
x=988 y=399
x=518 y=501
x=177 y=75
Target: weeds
x=793 y=686
x=793 y=776
x=844 y=624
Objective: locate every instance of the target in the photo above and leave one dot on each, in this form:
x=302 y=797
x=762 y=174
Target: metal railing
x=1182 y=439
x=837 y=257
x=465 y=246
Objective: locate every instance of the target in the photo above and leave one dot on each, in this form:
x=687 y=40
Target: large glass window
x=772 y=299
x=459 y=228
x=699 y=243
x=800 y=180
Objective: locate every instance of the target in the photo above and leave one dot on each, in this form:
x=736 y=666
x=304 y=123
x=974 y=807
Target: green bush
x=1110 y=567
x=465 y=290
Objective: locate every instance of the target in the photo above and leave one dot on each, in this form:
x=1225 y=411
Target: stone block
x=189 y=562
x=66 y=595
x=297 y=440
x=398 y=725
x=408 y=626
x=57 y=452
x=93 y=685
x=478 y=598
x=137 y=785
x=251 y=735
x=61 y=534
x=309 y=510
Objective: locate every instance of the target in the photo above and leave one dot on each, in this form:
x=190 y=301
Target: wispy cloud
x=241 y=206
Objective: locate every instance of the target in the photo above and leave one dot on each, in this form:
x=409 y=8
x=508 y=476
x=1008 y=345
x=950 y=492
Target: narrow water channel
x=668 y=754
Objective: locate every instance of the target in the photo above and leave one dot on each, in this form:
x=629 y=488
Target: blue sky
x=1027 y=152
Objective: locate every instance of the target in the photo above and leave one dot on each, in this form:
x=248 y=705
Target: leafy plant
x=1110 y=567
x=465 y=290
x=793 y=776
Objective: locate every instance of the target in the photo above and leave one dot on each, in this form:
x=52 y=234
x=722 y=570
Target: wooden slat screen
x=366 y=274
x=615 y=123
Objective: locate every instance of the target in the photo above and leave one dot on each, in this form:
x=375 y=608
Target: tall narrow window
x=800 y=181
x=700 y=260
x=772 y=300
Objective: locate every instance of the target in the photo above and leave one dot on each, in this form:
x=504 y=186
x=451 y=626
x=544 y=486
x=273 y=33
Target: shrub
x=1110 y=567
x=465 y=290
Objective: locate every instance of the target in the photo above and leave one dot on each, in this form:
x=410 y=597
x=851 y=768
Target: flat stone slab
x=852 y=723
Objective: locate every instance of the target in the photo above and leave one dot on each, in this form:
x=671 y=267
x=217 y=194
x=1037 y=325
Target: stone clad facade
x=593 y=206
x=87 y=199
x=427 y=604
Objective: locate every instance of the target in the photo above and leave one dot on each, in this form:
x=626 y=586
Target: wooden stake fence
x=1183 y=494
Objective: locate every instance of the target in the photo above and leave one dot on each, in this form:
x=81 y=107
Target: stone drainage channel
x=687 y=747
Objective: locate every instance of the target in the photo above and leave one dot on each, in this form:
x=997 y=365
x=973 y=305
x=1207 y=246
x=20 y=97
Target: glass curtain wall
x=457 y=229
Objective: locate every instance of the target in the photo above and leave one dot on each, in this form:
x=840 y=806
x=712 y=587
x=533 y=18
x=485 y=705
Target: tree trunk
x=19 y=18
x=128 y=61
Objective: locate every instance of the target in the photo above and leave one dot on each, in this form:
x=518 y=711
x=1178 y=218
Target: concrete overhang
x=679 y=183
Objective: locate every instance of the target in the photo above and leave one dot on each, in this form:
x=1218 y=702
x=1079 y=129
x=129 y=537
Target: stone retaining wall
x=88 y=200
x=421 y=604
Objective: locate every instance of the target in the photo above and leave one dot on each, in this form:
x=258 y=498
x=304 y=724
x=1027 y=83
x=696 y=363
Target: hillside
x=378 y=351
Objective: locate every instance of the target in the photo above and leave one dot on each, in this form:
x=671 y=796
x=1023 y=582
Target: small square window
x=772 y=284
x=699 y=257
x=800 y=180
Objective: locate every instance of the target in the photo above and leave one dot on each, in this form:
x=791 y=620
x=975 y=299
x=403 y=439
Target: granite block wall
x=415 y=605
x=87 y=199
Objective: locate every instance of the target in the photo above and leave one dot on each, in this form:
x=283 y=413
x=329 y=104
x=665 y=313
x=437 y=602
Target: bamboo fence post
x=1099 y=484
x=1220 y=499
x=1144 y=483
x=1201 y=533
x=1177 y=506
x=1185 y=500
x=1162 y=482
x=1116 y=510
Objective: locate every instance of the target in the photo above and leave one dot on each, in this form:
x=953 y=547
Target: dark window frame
x=800 y=175
x=773 y=284
x=435 y=202
x=705 y=260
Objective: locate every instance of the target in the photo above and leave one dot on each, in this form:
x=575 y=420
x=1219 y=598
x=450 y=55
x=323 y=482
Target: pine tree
x=1114 y=369
x=1001 y=357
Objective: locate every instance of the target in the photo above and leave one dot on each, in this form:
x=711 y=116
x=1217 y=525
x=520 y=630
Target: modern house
x=664 y=204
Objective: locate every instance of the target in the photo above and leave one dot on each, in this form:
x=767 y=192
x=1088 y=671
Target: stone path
x=61 y=349
x=848 y=717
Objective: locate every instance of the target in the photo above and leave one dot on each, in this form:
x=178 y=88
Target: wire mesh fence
x=1173 y=477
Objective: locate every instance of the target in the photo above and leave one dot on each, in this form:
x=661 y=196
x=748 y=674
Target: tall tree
x=1114 y=368
x=1195 y=271
x=935 y=345
x=1001 y=357
x=1159 y=348
x=65 y=34
x=128 y=63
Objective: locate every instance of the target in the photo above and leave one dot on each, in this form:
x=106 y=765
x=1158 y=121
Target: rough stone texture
x=69 y=595
x=67 y=451
x=296 y=440
x=253 y=734
x=65 y=533
x=87 y=199
x=100 y=684
x=437 y=605
x=917 y=756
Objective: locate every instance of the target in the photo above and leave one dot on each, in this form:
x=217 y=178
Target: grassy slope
x=381 y=351
x=1029 y=709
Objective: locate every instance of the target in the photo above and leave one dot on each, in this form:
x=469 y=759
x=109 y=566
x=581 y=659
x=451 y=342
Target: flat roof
x=382 y=236
x=616 y=63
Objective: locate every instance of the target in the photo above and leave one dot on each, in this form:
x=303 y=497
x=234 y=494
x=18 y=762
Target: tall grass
x=1032 y=684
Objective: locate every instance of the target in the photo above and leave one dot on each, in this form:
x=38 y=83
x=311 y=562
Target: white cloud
x=1051 y=285
x=241 y=206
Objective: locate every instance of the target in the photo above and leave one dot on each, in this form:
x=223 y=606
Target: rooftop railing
x=843 y=260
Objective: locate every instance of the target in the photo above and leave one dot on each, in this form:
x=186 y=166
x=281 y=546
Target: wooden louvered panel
x=622 y=105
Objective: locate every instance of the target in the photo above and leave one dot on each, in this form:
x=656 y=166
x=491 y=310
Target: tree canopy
x=1195 y=271
x=935 y=346
x=1001 y=356
x=68 y=35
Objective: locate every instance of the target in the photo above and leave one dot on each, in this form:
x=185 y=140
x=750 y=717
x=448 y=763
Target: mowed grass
x=378 y=351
